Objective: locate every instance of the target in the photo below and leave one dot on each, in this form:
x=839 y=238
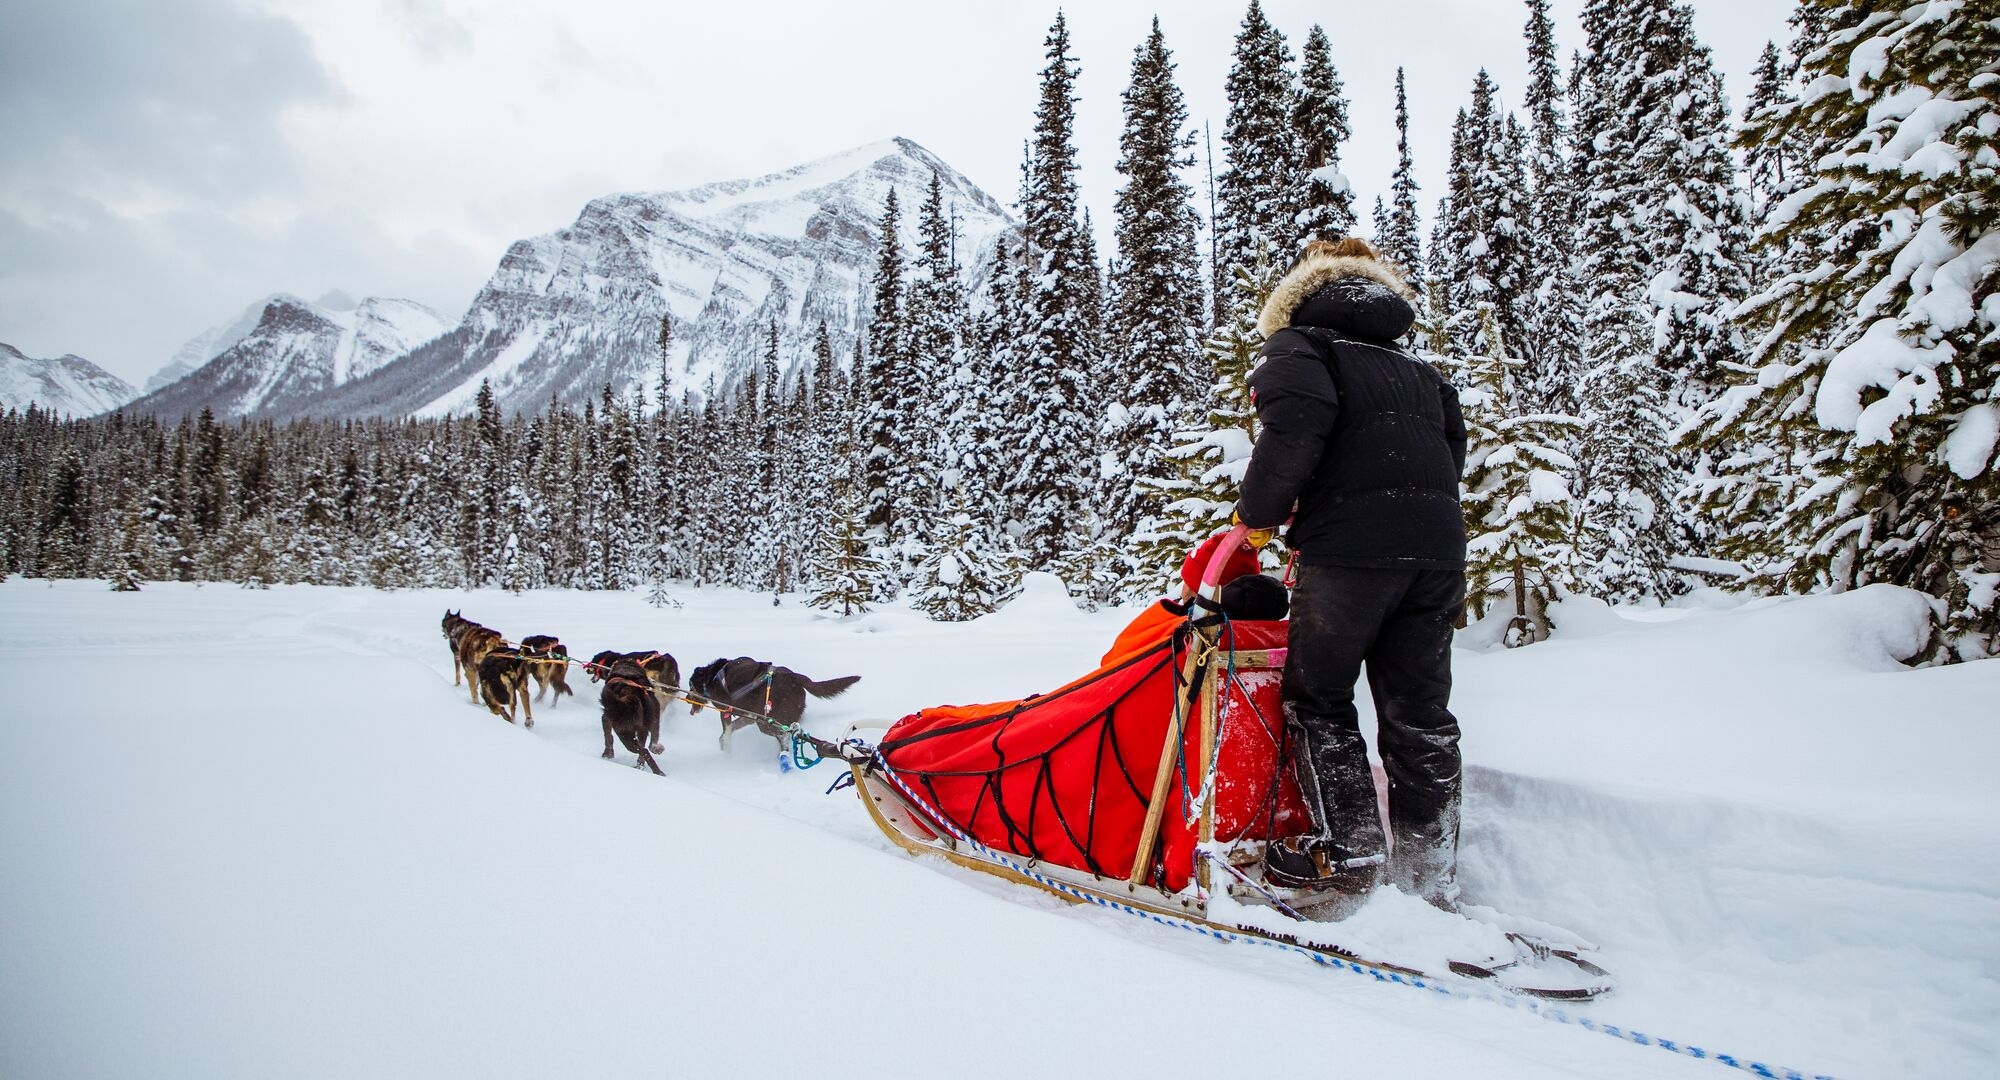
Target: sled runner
x=1149 y=785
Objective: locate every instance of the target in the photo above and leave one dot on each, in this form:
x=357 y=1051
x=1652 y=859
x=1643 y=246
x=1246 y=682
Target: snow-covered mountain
x=570 y=311
x=208 y=345
x=293 y=352
x=68 y=384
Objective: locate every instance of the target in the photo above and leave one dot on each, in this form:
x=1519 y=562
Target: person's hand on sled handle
x=1256 y=538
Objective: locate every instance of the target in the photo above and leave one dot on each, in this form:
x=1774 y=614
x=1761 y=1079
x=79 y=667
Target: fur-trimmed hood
x=1316 y=272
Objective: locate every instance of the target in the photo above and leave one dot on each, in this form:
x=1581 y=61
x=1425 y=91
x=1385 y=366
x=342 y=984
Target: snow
x=256 y=833
x=461 y=397
x=1880 y=358
x=1970 y=445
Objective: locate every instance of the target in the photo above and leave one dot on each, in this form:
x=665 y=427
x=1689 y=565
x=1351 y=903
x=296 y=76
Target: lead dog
x=759 y=687
x=470 y=642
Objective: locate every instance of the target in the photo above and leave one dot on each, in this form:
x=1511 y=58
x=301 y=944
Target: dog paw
x=608 y=756
x=657 y=748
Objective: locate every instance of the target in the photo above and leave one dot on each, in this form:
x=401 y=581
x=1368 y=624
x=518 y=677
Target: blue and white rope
x=1534 y=1006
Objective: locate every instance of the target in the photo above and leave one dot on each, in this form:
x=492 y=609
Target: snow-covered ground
x=261 y=834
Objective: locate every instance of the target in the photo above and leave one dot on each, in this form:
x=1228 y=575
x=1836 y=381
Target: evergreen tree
x=883 y=379
x=1159 y=290
x=1258 y=188
x=1554 y=345
x=1319 y=125
x=843 y=562
x=1052 y=401
x=1402 y=239
x=1485 y=256
x=937 y=318
x=1519 y=517
x=1774 y=168
x=1863 y=433
x=962 y=577
x=1660 y=239
x=669 y=504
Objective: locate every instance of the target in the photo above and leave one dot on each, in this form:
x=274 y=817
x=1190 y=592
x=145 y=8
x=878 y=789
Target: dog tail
x=829 y=688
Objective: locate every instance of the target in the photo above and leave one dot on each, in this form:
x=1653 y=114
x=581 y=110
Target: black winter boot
x=1310 y=864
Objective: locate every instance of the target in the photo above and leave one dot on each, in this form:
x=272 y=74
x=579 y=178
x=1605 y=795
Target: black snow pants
x=1400 y=622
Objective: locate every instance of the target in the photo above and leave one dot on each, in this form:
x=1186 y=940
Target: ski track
x=1735 y=927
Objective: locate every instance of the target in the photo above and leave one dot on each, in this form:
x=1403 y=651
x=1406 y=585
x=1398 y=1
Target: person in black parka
x=1361 y=445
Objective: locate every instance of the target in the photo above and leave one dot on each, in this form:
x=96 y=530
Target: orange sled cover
x=1064 y=777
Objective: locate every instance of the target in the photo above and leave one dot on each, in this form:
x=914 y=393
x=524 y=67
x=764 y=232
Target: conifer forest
x=1747 y=341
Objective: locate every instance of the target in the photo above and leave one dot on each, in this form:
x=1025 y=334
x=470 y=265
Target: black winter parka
x=1365 y=438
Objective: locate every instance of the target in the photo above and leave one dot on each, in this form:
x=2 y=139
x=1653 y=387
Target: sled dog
x=548 y=665
x=503 y=679
x=661 y=669
x=743 y=685
x=631 y=708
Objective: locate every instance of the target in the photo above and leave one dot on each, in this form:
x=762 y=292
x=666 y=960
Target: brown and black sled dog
x=548 y=665
x=631 y=709
x=470 y=642
x=661 y=669
x=744 y=685
x=503 y=681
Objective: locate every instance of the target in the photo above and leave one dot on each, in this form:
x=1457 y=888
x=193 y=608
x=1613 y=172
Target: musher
x=1361 y=445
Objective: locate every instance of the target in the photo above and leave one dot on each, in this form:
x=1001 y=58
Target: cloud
x=141 y=104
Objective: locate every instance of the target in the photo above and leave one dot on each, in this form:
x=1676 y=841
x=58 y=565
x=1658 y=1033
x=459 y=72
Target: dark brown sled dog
x=661 y=669
x=744 y=685
x=631 y=710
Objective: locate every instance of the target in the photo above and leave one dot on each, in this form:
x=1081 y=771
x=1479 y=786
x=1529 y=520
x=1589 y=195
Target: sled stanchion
x=1149 y=833
x=1205 y=767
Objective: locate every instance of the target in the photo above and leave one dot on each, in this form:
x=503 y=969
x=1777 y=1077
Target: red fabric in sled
x=1064 y=776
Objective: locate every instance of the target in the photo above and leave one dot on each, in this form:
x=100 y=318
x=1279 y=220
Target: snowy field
x=257 y=834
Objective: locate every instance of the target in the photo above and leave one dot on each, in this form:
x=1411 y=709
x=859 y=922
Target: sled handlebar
x=1211 y=575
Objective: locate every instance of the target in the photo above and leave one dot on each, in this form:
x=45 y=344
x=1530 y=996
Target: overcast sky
x=163 y=163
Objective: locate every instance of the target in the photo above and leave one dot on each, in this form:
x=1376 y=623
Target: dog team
x=637 y=686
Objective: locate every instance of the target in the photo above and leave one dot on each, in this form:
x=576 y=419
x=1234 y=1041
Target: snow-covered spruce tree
x=1486 y=257
x=1659 y=241
x=1771 y=170
x=1319 y=126
x=963 y=576
x=1402 y=239
x=1051 y=403
x=1627 y=542
x=934 y=340
x=1876 y=369
x=1211 y=454
x=1554 y=347
x=1520 y=521
x=1159 y=291
x=668 y=503
x=882 y=422
x=1660 y=124
x=849 y=575
x=1259 y=186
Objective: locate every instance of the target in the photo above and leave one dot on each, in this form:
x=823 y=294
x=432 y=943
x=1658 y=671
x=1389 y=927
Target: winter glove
x=1256 y=538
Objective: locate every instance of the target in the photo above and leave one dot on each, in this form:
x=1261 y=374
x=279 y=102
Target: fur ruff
x=1314 y=273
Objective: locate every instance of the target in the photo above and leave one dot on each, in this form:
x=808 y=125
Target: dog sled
x=1151 y=785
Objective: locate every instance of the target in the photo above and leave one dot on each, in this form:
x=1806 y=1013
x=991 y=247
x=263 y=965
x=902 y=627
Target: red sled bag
x=1066 y=777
